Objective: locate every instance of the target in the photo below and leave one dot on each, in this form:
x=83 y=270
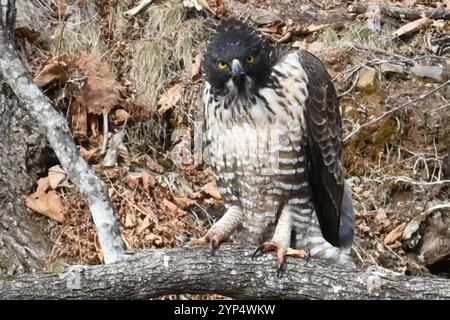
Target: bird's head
x=238 y=58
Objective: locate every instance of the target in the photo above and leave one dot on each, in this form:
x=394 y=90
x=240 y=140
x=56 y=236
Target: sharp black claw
x=214 y=247
x=307 y=257
x=258 y=252
x=281 y=268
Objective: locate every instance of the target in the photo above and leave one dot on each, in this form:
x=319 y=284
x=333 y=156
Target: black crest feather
x=236 y=39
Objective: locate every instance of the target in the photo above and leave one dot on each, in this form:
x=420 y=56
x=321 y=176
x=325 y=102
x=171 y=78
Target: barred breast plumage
x=257 y=153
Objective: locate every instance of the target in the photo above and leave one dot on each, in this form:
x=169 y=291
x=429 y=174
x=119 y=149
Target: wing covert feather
x=324 y=149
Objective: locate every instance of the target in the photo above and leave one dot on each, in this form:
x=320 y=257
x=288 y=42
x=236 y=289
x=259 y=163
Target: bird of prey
x=273 y=138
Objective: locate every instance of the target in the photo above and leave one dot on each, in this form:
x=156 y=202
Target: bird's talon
x=212 y=238
x=214 y=246
x=281 y=268
x=200 y=241
x=258 y=252
x=307 y=257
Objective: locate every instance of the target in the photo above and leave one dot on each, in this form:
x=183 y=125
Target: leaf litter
x=395 y=167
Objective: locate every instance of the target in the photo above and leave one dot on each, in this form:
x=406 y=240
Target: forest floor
x=130 y=87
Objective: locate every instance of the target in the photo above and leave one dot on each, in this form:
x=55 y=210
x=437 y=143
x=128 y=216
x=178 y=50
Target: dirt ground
x=131 y=89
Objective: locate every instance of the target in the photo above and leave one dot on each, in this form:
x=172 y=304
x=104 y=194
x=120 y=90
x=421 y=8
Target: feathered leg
x=222 y=229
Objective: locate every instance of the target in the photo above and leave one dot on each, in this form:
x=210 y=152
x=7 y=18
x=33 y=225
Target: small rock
x=413 y=26
x=412 y=227
x=436 y=73
x=264 y=17
x=368 y=82
x=316 y=47
x=389 y=68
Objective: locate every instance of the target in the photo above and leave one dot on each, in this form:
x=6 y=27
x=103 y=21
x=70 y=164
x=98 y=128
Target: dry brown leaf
x=151 y=163
x=79 y=118
x=196 y=68
x=413 y=26
x=130 y=220
x=123 y=152
x=211 y=189
x=148 y=212
x=181 y=212
x=27 y=33
x=111 y=192
x=394 y=234
x=156 y=239
x=148 y=181
x=54 y=69
x=196 y=195
x=96 y=130
x=133 y=177
x=101 y=90
x=89 y=154
x=43 y=185
x=142 y=224
x=273 y=27
x=170 y=98
x=57 y=177
x=46 y=202
x=301 y=30
x=316 y=27
x=171 y=207
x=121 y=116
x=285 y=38
x=184 y=202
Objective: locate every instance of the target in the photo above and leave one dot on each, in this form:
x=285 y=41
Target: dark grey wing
x=324 y=151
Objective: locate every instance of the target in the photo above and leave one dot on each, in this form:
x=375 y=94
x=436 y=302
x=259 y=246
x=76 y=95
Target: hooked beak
x=238 y=74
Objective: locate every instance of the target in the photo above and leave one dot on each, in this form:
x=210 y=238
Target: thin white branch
x=53 y=125
x=141 y=6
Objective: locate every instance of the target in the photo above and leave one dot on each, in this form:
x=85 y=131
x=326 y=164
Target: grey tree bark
x=151 y=273
x=23 y=244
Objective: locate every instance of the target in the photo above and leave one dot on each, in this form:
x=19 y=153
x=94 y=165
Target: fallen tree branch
x=398 y=12
x=53 y=125
x=141 y=6
x=152 y=273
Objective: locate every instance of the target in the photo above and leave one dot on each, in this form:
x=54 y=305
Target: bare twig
x=141 y=6
x=352 y=86
x=420 y=183
x=437 y=207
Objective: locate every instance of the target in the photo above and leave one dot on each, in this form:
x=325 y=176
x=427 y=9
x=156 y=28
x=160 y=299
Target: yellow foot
x=273 y=246
x=213 y=238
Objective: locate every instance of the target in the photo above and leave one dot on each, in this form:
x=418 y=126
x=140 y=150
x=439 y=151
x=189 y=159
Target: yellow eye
x=222 y=64
x=251 y=58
